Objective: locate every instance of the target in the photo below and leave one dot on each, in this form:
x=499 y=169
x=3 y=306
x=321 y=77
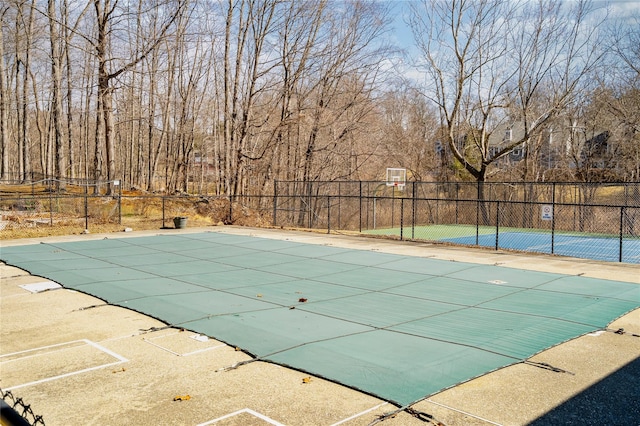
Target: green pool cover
x=398 y=327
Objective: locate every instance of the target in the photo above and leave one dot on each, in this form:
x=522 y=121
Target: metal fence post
x=393 y=205
x=478 y=214
x=457 y=198
x=339 y=211
x=401 y=218
x=309 y=212
x=497 y=223
x=621 y=232
x=86 y=208
x=553 y=217
x=275 y=201
x=328 y=214
x=50 y=208
x=360 y=218
x=413 y=210
x=120 y=204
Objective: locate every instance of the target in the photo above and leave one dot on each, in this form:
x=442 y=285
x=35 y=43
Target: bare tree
x=191 y=87
x=625 y=43
x=23 y=51
x=496 y=63
x=411 y=135
x=56 y=93
x=244 y=70
x=298 y=37
x=155 y=138
x=69 y=31
x=106 y=14
x=348 y=67
x=4 y=106
x=621 y=108
x=618 y=98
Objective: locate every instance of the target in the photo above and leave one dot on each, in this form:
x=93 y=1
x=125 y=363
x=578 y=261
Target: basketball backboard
x=397 y=177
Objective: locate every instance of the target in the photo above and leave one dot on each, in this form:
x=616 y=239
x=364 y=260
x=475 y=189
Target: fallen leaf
x=302 y=300
x=306 y=380
x=182 y=398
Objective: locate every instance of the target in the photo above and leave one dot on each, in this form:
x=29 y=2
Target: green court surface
x=398 y=327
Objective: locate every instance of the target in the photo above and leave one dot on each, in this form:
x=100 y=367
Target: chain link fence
x=34 y=215
x=49 y=208
x=587 y=220
x=15 y=412
x=595 y=221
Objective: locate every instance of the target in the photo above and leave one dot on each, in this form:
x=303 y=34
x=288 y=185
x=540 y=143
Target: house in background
x=503 y=136
x=564 y=145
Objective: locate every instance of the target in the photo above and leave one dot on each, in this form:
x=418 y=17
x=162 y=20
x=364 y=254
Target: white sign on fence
x=547 y=212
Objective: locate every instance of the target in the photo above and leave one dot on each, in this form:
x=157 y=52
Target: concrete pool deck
x=77 y=360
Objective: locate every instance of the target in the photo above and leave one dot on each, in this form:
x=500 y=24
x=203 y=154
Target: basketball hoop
x=397 y=178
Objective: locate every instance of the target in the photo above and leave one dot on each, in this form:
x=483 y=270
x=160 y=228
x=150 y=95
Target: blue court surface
x=585 y=247
x=580 y=245
x=399 y=327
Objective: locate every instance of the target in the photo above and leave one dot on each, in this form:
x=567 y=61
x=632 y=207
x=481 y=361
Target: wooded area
x=228 y=96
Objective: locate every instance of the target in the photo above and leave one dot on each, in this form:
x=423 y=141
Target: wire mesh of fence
x=20 y=412
x=589 y=220
x=32 y=215
x=574 y=219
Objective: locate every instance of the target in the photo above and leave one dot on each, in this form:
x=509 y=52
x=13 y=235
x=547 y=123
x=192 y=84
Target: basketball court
x=621 y=247
x=229 y=325
x=586 y=246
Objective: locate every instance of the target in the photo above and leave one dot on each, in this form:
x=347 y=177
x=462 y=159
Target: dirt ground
x=140 y=211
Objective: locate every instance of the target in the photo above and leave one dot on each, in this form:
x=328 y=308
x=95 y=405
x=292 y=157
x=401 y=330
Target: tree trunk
x=4 y=105
x=56 y=94
x=24 y=140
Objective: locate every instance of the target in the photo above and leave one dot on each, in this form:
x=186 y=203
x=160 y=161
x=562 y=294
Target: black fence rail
x=615 y=194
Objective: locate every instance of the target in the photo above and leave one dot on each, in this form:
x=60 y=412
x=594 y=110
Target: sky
x=402 y=36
